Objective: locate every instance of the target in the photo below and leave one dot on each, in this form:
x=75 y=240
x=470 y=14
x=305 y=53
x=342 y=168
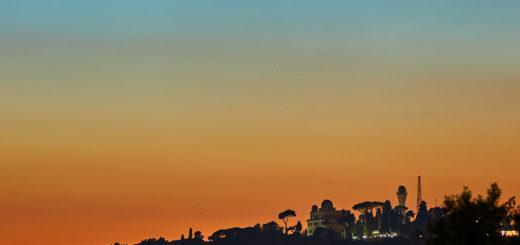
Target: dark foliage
x=285 y=215
x=470 y=220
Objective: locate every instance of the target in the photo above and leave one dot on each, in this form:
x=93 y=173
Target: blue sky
x=114 y=18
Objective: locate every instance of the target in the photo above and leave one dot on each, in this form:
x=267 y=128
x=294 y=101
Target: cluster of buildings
x=327 y=217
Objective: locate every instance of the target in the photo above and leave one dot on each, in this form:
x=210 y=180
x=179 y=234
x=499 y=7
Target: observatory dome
x=327 y=205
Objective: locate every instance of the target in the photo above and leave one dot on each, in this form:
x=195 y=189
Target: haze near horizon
x=128 y=120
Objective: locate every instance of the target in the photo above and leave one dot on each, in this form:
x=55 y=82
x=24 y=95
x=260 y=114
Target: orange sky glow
x=113 y=133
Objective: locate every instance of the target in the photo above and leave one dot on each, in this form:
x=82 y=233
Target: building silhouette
x=326 y=217
x=402 y=193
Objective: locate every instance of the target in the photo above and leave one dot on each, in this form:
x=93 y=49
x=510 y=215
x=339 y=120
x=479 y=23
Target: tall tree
x=284 y=216
x=388 y=217
x=470 y=220
x=190 y=234
x=363 y=208
x=378 y=206
x=422 y=216
x=347 y=220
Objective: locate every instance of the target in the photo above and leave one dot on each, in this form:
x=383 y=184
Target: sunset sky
x=126 y=120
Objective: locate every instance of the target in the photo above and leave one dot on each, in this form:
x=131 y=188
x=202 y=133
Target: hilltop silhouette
x=462 y=220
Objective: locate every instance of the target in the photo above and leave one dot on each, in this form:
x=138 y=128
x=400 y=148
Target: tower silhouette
x=419 y=192
x=401 y=195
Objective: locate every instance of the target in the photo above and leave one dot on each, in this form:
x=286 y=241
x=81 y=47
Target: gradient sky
x=124 y=120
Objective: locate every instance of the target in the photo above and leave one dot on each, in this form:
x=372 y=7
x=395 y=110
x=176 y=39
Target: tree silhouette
x=271 y=227
x=366 y=209
x=422 y=216
x=436 y=213
x=347 y=219
x=153 y=241
x=409 y=216
x=284 y=216
x=182 y=237
x=378 y=206
x=388 y=217
x=297 y=228
x=190 y=234
x=198 y=236
x=363 y=209
x=470 y=220
x=516 y=217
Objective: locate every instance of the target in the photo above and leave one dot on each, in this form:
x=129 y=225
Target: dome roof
x=327 y=204
x=401 y=189
x=314 y=208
